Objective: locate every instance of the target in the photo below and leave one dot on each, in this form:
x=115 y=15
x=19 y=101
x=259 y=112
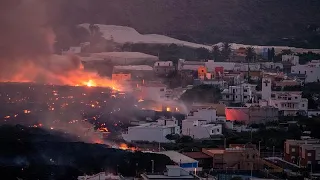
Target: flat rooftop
x=178 y=157
x=134 y=67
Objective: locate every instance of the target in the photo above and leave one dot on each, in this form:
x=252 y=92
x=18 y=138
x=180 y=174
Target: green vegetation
x=202 y=93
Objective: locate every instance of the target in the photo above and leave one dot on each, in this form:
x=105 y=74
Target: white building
x=100 y=176
x=310 y=70
x=206 y=114
x=163 y=67
x=154 y=91
x=172 y=172
x=182 y=160
x=153 y=132
x=288 y=103
x=272 y=65
x=199 y=129
x=294 y=60
x=239 y=94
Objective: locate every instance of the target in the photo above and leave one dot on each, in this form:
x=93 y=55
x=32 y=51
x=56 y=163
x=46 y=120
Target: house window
x=212 y=131
x=296 y=97
x=218 y=130
x=302 y=105
x=161 y=89
x=248 y=156
x=227 y=96
x=273 y=95
x=309 y=162
x=276 y=105
x=293 y=150
x=309 y=154
x=289 y=98
x=158 y=64
x=311 y=71
x=253 y=156
x=234 y=91
x=236 y=97
x=245 y=97
x=305 y=72
x=245 y=90
x=299 y=72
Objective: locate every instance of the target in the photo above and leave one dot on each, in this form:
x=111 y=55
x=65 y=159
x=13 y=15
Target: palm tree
x=216 y=53
x=226 y=51
x=250 y=54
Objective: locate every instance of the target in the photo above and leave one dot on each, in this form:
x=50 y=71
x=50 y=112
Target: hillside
x=264 y=22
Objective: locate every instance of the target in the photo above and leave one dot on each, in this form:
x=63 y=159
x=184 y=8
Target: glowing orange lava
x=61 y=72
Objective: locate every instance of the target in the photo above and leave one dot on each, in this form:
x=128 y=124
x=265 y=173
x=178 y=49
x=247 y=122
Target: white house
x=206 y=114
x=199 y=129
x=288 y=103
x=294 y=60
x=163 y=67
x=310 y=70
x=153 y=132
x=153 y=91
x=239 y=94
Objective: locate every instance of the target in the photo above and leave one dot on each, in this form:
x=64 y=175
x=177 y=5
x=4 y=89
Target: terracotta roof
x=197 y=155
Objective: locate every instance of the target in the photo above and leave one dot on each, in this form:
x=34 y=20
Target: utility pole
x=273 y=152
x=152 y=170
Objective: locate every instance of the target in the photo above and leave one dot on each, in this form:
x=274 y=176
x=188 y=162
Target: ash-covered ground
x=54 y=132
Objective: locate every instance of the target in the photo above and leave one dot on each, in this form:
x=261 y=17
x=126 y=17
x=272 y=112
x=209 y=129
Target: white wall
x=312 y=72
x=198 y=130
x=163 y=63
x=210 y=115
x=266 y=88
x=153 y=92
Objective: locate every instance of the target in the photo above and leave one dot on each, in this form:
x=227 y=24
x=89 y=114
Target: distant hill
x=263 y=22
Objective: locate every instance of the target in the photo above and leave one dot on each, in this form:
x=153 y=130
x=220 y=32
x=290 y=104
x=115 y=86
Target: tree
x=216 y=54
x=203 y=53
x=226 y=51
x=250 y=54
x=286 y=52
x=172 y=137
x=236 y=178
x=272 y=54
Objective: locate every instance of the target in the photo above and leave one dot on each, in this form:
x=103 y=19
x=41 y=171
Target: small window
x=289 y=98
x=212 y=131
x=245 y=97
x=253 y=156
x=218 y=130
x=293 y=150
x=248 y=157
x=305 y=72
x=236 y=97
x=245 y=90
x=311 y=71
x=276 y=105
x=161 y=89
x=227 y=96
x=299 y=72
x=309 y=162
x=158 y=64
x=302 y=105
x=309 y=154
x=273 y=95
x=296 y=97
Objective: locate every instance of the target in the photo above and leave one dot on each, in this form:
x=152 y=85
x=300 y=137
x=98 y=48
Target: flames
x=61 y=72
x=124 y=146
